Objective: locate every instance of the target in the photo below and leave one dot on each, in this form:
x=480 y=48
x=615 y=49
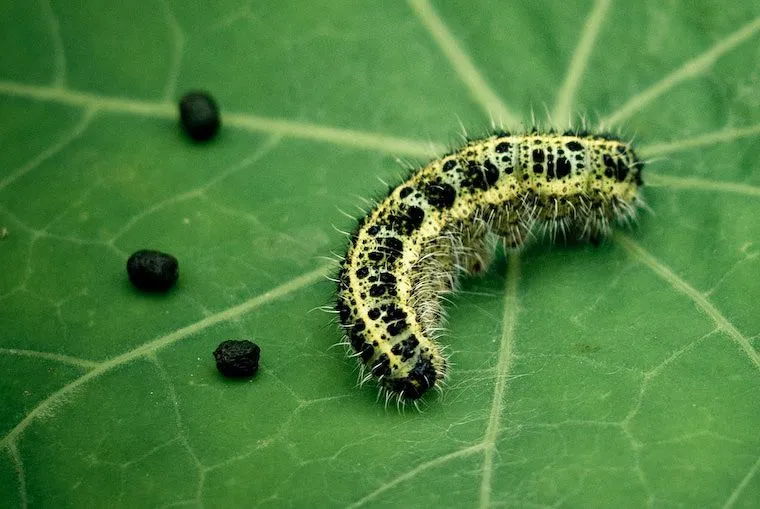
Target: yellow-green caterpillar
x=412 y=247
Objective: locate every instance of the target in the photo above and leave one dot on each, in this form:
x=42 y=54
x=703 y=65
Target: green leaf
x=624 y=375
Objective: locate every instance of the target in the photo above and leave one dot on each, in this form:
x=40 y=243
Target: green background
x=626 y=375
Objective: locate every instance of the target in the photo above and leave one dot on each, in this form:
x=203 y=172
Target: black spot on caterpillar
x=439 y=223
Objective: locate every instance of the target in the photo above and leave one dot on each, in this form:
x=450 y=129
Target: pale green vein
x=503 y=365
x=149 y=453
x=254 y=123
x=346 y=137
x=59 y=54
x=419 y=469
x=49 y=356
x=178 y=48
x=649 y=376
x=754 y=469
x=691 y=69
x=182 y=432
x=561 y=113
x=45 y=407
x=698 y=184
x=703 y=140
x=462 y=64
x=18 y=465
x=488 y=444
x=681 y=286
x=265 y=148
x=52 y=150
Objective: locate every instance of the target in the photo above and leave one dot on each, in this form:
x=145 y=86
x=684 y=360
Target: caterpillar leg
x=593 y=229
x=514 y=232
x=476 y=250
x=434 y=275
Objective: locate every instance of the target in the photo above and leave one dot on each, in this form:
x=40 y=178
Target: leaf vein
x=178 y=41
x=702 y=140
x=52 y=150
x=578 y=62
x=462 y=64
x=691 y=69
x=639 y=253
x=753 y=470
x=59 y=52
x=504 y=363
x=164 y=341
x=698 y=184
x=247 y=122
x=197 y=192
x=57 y=357
x=410 y=474
x=19 y=467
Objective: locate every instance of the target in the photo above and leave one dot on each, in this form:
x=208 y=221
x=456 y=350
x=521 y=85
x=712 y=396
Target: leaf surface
x=624 y=375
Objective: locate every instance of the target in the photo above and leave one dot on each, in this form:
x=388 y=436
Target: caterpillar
x=442 y=222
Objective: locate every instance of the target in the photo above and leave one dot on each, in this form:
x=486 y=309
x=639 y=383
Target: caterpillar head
x=619 y=169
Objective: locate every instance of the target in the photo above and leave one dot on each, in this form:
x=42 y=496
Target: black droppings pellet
x=237 y=358
x=152 y=271
x=200 y=115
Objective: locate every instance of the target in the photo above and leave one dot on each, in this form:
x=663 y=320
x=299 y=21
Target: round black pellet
x=200 y=115
x=237 y=358
x=152 y=271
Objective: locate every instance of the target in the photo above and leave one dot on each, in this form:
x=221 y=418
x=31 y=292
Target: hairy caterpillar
x=440 y=223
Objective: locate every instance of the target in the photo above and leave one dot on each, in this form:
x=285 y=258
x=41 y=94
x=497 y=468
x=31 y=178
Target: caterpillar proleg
x=440 y=223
